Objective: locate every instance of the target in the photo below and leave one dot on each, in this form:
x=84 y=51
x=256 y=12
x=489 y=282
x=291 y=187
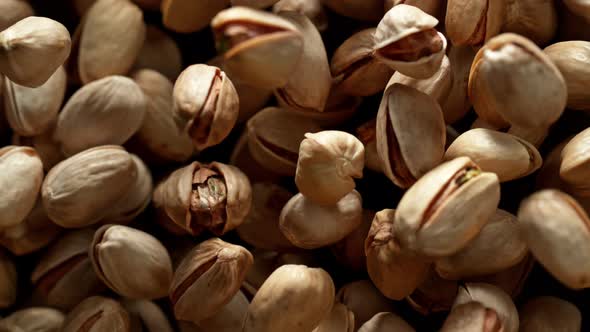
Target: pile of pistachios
x=294 y=165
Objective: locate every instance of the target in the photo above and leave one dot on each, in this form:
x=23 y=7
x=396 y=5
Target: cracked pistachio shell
x=33 y=233
x=206 y=105
x=13 y=11
x=328 y=163
x=229 y=318
x=506 y=155
x=36 y=319
x=219 y=204
x=313 y=9
x=364 y=300
x=579 y=7
x=474 y=22
x=21 y=172
x=472 y=317
x=340 y=319
x=350 y=251
x=118 y=252
x=242 y=159
x=301 y=93
x=8 y=281
x=411 y=134
x=259 y=48
x=363 y=10
x=433 y=295
x=367 y=134
x=575 y=164
x=106 y=111
x=431 y=7
x=160 y=53
x=111 y=37
x=32 y=49
x=497 y=247
x=437 y=86
x=355 y=69
x=428 y=215
x=406 y=41
x=187 y=16
x=556 y=229
x=277 y=304
x=457 y=104
x=31 y=111
x=146 y=316
x=386 y=321
x=512 y=60
x=571 y=57
x=253 y=3
x=260 y=228
x=395 y=271
x=84 y=188
x=159 y=132
x=551 y=314
x=96 y=314
x=310 y=225
x=66 y=263
x=534 y=19
x=491 y=297
x=274 y=136
x=213 y=270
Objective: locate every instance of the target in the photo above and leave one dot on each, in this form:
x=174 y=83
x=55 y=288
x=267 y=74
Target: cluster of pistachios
x=294 y=165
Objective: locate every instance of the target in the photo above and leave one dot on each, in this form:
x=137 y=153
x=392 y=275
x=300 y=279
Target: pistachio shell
x=147 y=316
x=511 y=280
x=313 y=9
x=386 y=321
x=39 y=319
x=96 y=314
x=574 y=169
x=473 y=317
x=571 y=59
x=189 y=16
x=242 y=158
x=229 y=318
x=8 y=281
x=536 y=20
x=364 y=300
x=160 y=53
x=548 y=313
x=47 y=148
x=474 y=22
x=14 y=11
x=433 y=295
x=457 y=103
x=367 y=134
x=364 y=10
x=340 y=319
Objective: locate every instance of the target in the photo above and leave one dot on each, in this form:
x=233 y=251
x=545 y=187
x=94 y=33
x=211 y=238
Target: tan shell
x=410 y=134
x=106 y=111
x=147 y=315
x=433 y=295
x=82 y=189
x=242 y=159
x=340 y=319
x=36 y=319
x=472 y=316
x=112 y=34
x=9 y=280
x=551 y=314
x=289 y=289
x=474 y=22
x=536 y=20
x=386 y=321
x=425 y=220
x=32 y=49
x=364 y=300
x=160 y=53
x=189 y=16
x=570 y=57
x=574 y=163
x=506 y=155
x=31 y=111
x=457 y=103
x=555 y=227
x=229 y=318
x=213 y=270
x=364 y=10
x=313 y=9
x=511 y=280
x=96 y=314
x=13 y=11
x=309 y=225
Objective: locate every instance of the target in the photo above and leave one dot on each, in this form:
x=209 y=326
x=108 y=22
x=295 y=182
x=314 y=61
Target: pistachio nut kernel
x=551 y=314
x=436 y=218
x=407 y=41
x=472 y=316
x=474 y=22
x=96 y=314
x=251 y=40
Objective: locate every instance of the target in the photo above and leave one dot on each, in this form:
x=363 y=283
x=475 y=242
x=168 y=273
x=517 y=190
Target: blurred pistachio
x=550 y=314
x=457 y=103
x=534 y=19
x=386 y=321
x=206 y=105
x=364 y=10
x=367 y=134
x=575 y=164
x=189 y=16
x=277 y=304
x=32 y=49
x=431 y=7
x=213 y=270
x=354 y=68
x=313 y=9
x=410 y=134
x=96 y=314
x=407 y=41
x=107 y=111
x=506 y=155
x=48 y=149
x=160 y=53
x=425 y=220
x=242 y=158
x=229 y=318
x=260 y=48
x=199 y=196
x=310 y=225
x=119 y=27
x=66 y=263
x=12 y=11
x=350 y=251
x=433 y=295
x=36 y=319
x=253 y=3
x=8 y=281
x=386 y=260
x=274 y=136
x=340 y=319
x=570 y=57
x=474 y=22
x=146 y=316
x=21 y=177
x=472 y=317
x=364 y=300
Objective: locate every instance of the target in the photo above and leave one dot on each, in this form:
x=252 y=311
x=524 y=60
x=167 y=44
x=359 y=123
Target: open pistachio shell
x=570 y=57
x=189 y=16
x=474 y=22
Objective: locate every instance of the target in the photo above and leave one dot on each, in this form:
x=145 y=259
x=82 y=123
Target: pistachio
x=96 y=314
x=364 y=10
x=214 y=270
x=433 y=295
x=386 y=321
x=14 y=11
x=410 y=134
x=510 y=280
x=287 y=290
x=309 y=225
x=386 y=259
x=473 y=23
x=313 y=9
x=457 y=103
x=47 y=148
x=555 y=227
x=31 y=111
x=260 y=48
x=570 y=58
x=189 y=16
x=536 y=20
x=327 y=165
x=107 y=111
x=574 y=169
x=112 y=33
x=435 y=217
x=506 y=155
x=242 y=158
x=36 y=319
x=364 y=300
x=22 y=175
x=146 y=316
x=160 y=53
x=216 y=197
x=32 y=49
x=229 y=318
x=472 y=317
x=66 y=263
x=340 y=319
x=8 y=280
x=406 y=41
x=206 y=104
x=548 y=313
x=350 y=251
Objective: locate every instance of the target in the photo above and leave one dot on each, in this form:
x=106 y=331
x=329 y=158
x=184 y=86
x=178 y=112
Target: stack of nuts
x=294 y=165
